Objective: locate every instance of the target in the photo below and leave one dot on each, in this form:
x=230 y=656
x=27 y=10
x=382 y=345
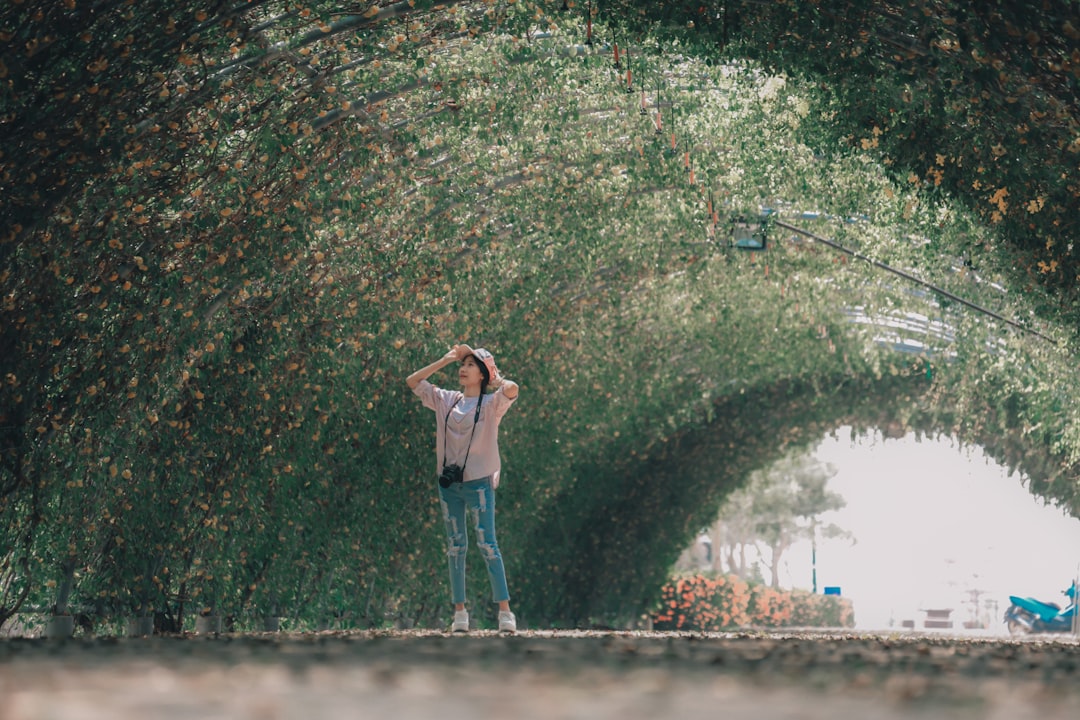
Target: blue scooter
x=1028 y=615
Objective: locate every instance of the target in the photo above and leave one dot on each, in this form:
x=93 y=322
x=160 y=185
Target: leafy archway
x=236 y=228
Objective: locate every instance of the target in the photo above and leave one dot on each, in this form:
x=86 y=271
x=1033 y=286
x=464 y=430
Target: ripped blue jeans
x=477 y=499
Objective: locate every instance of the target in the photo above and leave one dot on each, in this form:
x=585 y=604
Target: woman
x=467 y=453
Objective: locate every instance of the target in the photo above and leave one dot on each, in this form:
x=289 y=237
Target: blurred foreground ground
x=541 y=674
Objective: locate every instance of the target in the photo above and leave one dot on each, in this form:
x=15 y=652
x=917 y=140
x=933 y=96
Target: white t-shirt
x=455 y=431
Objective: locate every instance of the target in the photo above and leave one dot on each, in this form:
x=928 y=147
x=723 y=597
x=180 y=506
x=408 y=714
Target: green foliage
x=233 y=231
x=970 y=100
x=810 y=610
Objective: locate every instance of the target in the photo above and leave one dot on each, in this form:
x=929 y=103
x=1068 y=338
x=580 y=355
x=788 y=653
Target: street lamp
x=748 y=235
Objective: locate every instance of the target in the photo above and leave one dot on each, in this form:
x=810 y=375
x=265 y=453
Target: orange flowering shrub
x=709 y=604
x=812 y=610
x=770 y=607
x=733 y=598
x=697 y=602
x=686 y=604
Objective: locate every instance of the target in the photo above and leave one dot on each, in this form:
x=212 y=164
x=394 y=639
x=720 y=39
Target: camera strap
x=446 y=429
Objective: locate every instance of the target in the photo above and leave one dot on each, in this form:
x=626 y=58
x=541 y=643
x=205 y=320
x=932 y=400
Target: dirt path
x=540 y=675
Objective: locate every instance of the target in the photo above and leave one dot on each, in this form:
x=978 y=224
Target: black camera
x=451 y=474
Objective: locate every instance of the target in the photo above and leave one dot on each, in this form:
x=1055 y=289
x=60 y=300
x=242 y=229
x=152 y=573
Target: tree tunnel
x=235 y=228
x=611 y=539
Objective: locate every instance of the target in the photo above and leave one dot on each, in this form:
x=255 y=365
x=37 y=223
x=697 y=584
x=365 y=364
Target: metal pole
x=1076 y=608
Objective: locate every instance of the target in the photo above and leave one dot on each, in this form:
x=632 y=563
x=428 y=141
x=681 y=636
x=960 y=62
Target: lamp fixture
x=747 y=234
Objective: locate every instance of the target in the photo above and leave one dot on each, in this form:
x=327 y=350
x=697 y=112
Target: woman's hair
x=486 y=361
x=485 y=376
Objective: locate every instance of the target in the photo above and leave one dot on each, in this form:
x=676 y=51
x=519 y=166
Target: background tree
x=777 y=507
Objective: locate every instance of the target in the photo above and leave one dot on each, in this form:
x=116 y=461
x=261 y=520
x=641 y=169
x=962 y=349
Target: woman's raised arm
x=453 y=355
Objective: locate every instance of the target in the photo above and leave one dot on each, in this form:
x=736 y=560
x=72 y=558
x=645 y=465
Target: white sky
x=933 y=521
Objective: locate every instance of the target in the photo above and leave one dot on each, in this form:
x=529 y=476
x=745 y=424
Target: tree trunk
x=778 y=550
x=67 y=583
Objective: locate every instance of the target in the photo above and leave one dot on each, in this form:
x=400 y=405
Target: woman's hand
x=508 y=387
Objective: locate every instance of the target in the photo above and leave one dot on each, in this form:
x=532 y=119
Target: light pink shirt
x=484 y=451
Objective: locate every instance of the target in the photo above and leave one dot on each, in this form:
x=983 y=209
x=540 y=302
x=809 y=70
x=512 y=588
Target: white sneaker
x=507 y=621
x=461 y=621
